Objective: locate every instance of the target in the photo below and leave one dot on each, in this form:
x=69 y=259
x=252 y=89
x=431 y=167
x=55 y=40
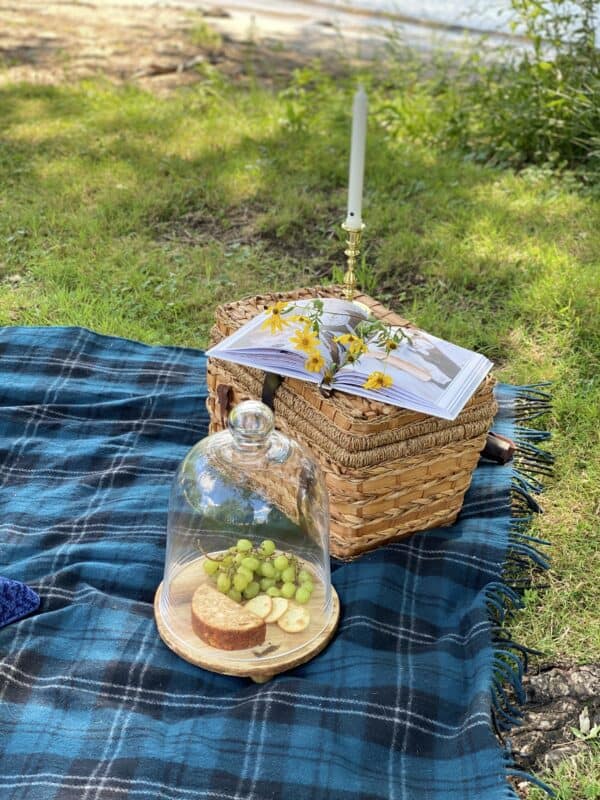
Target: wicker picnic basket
x=389 y=471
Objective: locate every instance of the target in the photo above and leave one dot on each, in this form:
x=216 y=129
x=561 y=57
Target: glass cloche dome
x=246 y=587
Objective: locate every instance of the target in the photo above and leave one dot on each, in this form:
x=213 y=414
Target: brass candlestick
x=352 y=251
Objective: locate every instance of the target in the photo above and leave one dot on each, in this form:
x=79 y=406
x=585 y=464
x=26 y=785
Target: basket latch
x=224 y=401
x=498 y=448
x=271 y=383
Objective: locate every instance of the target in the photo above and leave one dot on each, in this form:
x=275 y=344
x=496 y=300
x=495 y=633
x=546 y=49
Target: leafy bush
x=544 y=106
x=536 y=104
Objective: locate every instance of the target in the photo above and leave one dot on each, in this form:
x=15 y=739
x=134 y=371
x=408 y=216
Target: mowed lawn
x=136 y=215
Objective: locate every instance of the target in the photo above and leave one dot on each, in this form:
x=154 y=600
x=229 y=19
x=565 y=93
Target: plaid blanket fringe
x=531 y=464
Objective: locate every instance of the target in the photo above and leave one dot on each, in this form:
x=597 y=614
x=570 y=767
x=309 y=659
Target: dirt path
x=64 y=40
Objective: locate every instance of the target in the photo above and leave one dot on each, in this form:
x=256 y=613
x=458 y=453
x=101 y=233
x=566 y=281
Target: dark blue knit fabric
x=16 y=601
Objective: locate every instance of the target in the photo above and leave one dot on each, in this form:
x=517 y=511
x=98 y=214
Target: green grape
x=289 y=575
x=223 y=583
x=266 y=583
x=245 y=571
x=273 y=591
x=211 y=567
x=276 y=575
x=240 y=581
x=267 y=569
x=227 y=561
x=251 y=563
x=302 y=595
x=281 y=563
x=251 y=590
x=238 y=558
x=304 y=576
x=288 y=589
x=244 y=545
x=235 y=595
x=309 y=586
x=268 y=547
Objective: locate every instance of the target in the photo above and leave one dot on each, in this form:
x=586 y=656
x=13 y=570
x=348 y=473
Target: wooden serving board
x=259 y=663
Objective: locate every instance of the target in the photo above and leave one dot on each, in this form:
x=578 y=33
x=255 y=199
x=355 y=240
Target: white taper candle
x=357 y=160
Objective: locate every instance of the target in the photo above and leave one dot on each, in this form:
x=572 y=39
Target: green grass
x=203 y=36
x=136 y=215
x=577 y=778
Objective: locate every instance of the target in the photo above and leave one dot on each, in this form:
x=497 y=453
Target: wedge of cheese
x=223 y=623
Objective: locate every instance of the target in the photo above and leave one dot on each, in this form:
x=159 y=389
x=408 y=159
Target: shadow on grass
x=182 y=172
x=39 y=51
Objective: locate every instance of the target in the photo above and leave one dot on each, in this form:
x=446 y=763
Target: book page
x=422 y=373
x=339 y=317
x=427 y=374
x=420 y=356
x=258 y=346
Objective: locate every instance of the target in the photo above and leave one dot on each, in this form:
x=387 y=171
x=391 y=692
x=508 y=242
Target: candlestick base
x=351 y=252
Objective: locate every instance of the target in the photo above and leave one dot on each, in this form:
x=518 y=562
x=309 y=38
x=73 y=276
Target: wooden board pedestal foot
x=210 y=658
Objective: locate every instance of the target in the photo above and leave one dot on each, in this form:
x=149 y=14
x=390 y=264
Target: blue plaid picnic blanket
x=401 y=705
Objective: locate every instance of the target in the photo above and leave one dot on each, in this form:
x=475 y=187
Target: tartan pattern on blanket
x=95 y=707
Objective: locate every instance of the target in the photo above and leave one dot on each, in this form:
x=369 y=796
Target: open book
x=422 y=373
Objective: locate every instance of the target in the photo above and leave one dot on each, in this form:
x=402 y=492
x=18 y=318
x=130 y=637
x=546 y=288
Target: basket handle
x=271 y=383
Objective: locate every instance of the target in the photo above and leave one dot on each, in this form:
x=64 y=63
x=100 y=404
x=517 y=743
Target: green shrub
x=537 y=104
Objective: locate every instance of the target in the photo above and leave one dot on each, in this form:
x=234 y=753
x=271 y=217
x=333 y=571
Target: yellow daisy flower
x=346 y=338
x=304 y=340
x=315 y=362
x=299 y=318
x=275 y=322
x=377 y=380
x=357 y=347
x=390 y=344
x=328 y=376
x=355 y=344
